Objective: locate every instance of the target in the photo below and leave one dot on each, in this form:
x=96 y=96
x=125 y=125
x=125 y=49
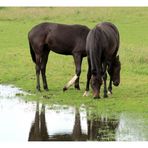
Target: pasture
x=17 y=68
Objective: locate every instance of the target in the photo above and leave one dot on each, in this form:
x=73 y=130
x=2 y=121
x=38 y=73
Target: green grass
x=16 y=66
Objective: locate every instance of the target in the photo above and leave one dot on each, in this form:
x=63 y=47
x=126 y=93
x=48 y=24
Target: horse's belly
x=62 y=51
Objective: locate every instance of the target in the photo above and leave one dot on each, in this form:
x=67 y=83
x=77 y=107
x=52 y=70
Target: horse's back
x=59 y=29
x=60 y=38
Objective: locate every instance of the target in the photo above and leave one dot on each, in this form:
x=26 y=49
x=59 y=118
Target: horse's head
x=115 y=71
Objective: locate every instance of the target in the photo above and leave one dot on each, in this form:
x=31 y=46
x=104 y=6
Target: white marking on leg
x=71 y=82
x=86 y=93
x=109 y=93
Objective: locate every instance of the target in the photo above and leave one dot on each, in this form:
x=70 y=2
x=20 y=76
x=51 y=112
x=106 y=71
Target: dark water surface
x=32 y=121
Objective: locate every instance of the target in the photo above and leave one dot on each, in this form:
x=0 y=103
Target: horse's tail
x=32 y=53
x=95 y=49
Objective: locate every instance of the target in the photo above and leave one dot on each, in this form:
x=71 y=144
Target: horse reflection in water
x=101 y=129
x=38 y=131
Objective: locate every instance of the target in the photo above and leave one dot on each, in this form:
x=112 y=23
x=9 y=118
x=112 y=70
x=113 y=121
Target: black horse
x=102 y=46
x=59 y=38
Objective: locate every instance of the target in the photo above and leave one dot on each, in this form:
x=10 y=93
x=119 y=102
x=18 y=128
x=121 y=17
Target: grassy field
x=16 y=66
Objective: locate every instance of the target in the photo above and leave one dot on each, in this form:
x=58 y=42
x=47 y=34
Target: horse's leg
x=38 y=68
x=104 y=79
x=43 y=68
x=78 y=61
x=110 y=82
x=95 y=86
x=105 y=89
x=77 y=84
x=86 y=93
x=110 y=87
x=96 y=79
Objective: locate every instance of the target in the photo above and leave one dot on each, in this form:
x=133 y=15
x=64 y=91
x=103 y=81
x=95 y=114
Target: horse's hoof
x=64 y=89
x=96 y=97
x=105 y=96
x=46 y=89
x=38 y=89
x=86 y=93
x=77 y=88
x=46 y=97
x=109 y=93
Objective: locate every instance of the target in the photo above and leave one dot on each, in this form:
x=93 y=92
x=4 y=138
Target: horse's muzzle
x=116 y=83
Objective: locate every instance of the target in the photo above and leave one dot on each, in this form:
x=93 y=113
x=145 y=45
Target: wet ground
x=31 y=121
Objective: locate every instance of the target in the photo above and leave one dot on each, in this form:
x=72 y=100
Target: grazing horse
x=102 y=45
x=61 y=39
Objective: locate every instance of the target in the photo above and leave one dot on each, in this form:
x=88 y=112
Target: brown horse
x=102 y=46
x=61 y=39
